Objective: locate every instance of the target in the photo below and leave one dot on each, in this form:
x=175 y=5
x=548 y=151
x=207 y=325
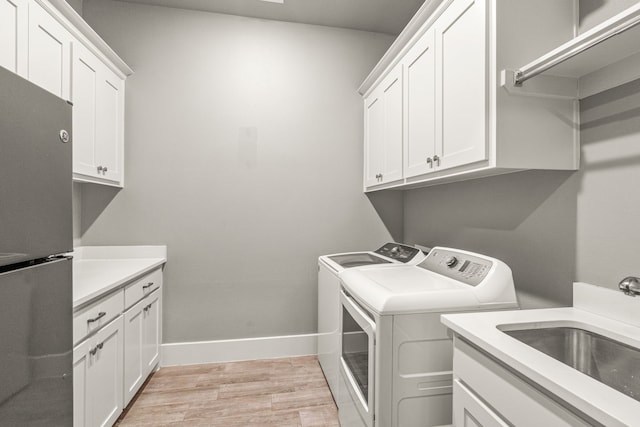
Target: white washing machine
x=396 y=357
x=329 y=269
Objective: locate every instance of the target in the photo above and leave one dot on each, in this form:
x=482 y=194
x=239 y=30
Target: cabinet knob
x=99 y=168
x=104 y=169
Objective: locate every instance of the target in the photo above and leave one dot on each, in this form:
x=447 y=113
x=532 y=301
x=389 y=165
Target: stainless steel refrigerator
x=36 y=384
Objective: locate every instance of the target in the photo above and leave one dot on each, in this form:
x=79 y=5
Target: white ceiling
x=382 y=16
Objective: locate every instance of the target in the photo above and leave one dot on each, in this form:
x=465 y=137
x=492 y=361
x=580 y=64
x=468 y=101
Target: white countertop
x=97 y=270
x=586 y=394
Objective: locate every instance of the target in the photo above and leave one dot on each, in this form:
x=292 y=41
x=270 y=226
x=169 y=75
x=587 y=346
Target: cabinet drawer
x=97 y=315
x=142 y=287
x=509 y=397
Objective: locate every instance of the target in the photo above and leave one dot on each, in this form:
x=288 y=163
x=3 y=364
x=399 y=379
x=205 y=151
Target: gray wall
x=244 y=156
x=552 y=228
x=77 y=5
x=593 y=12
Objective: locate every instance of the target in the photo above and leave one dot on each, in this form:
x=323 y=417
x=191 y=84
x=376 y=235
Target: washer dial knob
x=451 y=261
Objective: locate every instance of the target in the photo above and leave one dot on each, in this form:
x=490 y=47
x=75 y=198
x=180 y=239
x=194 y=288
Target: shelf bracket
x=543 y=86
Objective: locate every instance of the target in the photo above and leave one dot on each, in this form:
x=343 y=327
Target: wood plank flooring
x=275 y=392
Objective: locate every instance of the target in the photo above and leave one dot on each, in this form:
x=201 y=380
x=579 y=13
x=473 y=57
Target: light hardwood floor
x=276 y=392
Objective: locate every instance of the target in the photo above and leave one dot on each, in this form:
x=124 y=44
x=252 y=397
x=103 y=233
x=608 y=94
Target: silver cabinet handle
x=95 y=349
x=430 y=161
x=436 y=158
x=99 y=169
x=104 y=169
x=147 y=286
x=380 y=177
x=95 y=319
x=147 y=308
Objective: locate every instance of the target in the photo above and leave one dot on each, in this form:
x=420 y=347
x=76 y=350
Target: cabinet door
x=84 y=93
x=141 y=342
x=461 y=79
x=14 y=21
x=104 y=376
x=384 y=130
x=420 y=96
x=81 y=363
x=49 y=52
x=151 y=334
x=109 y=125
x=393 y=125
x=470 y=411
x=374 y=138
x=134 y=367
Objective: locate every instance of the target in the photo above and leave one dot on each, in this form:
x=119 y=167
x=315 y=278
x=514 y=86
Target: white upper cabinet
x=14 y=21
x=49 y=52
x=373 y=138
x=393 y=126
x=458 y=122
x=98 y=119
x=48 y=43
x=420 y=95
x=461 y=78
x=110 y=125
x=85 y=97
x=384 y=131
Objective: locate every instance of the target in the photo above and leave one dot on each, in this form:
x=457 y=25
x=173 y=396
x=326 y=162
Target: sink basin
x=611 y=362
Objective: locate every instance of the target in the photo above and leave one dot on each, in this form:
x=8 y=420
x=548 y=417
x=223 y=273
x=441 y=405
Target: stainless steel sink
x=611 y=362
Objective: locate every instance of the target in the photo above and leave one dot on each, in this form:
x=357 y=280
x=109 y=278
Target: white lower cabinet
x=488 y=394
x=97 y=377
x=470 y=411
x=111 y=362
x=142 y=342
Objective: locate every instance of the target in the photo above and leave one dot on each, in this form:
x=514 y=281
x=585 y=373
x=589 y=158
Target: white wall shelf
x=604 y=57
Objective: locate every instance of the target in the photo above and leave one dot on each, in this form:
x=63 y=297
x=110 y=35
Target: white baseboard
x=193 y=353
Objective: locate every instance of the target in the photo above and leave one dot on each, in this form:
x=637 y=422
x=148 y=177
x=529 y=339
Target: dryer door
x=357 y=361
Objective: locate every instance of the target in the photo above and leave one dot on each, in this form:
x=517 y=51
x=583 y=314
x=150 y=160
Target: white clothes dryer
x=396 y=357
x=329 y=269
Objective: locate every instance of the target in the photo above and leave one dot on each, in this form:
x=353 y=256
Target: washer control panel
x=399 y=252
x=463 y=267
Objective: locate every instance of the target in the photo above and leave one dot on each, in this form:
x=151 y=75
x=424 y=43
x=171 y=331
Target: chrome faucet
x=630 y=286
